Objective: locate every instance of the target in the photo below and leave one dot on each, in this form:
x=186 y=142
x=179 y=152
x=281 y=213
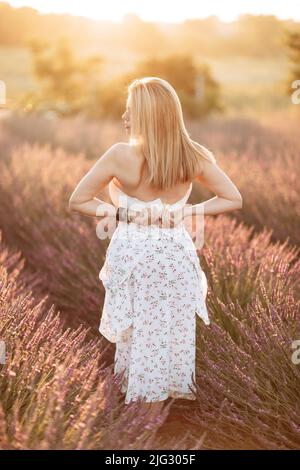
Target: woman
x=153 y=279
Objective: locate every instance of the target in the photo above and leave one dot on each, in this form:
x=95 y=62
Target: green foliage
x=250 y=35
x=65 y=81
x=198 y=91
x=69 y=86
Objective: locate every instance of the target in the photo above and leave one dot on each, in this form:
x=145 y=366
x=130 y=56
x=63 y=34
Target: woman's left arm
x=228 y=197
x=83 y=200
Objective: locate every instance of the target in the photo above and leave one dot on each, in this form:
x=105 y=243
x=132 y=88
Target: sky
x=170 y=11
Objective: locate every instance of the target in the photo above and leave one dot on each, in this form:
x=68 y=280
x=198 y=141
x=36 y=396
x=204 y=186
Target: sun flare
x=167 y=11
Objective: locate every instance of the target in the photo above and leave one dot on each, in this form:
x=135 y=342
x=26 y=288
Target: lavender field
x=57 y=389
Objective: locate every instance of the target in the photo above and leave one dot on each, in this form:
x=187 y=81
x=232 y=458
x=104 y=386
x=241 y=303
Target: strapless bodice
x=124 y=200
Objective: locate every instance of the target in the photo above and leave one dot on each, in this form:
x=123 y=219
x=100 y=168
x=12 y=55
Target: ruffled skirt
x=154 y=287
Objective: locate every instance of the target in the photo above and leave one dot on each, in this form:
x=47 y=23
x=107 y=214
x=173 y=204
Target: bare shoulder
x=115 y=155
x=127 y=152
x=129 y=164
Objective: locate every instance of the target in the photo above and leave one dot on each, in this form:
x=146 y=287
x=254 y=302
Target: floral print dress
x=154 y=286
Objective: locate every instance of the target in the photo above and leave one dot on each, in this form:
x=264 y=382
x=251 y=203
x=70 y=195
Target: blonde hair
x=158 y=130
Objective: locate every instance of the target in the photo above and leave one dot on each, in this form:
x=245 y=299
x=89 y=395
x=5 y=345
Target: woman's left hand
x=171 y=218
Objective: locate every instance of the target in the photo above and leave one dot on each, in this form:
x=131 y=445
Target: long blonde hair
x=158 y=130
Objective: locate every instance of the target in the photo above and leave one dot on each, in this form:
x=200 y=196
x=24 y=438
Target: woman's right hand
x=106 y=210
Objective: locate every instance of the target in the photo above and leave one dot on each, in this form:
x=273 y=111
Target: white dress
x=154 y=285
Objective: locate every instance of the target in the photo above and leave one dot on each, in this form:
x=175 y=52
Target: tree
x=66 y=83
x=197 y=89
x=198 y=92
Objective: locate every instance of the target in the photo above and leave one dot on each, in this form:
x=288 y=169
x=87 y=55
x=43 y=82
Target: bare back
x=133 y=180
